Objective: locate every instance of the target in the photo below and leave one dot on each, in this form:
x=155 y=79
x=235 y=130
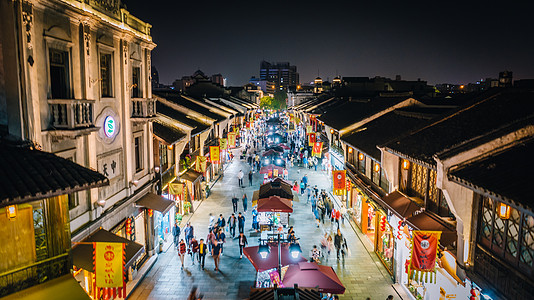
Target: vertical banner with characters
x=309 y=129
x=338 y=176
x=312 y=138
x=317 y=149
x=201 y=164
x=231 y=139
x=176 y=188
x=214 y=154
x=423 y=256
x=223 y=143
x=108 y=264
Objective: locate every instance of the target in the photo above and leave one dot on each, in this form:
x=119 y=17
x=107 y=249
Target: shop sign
x=110 y=165
x=317 y=149
x=201 y=164
x=423 y=256
x=214 y=154
x=312 y=138
x=231 y=139
x=176 y=188
x=109 y=269
x=339 y=181
x=223 y=143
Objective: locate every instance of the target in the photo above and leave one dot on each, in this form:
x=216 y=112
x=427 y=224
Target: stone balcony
x=143 y=109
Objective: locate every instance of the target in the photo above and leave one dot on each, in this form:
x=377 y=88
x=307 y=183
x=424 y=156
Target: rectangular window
x=163 y=156
x=138 y=154
x=384 y=183
x=73 y=197
x=59 y=74
x=105 y=75
x=375 y=174
x=418 y=181
x=361 y=163
x=136 y=75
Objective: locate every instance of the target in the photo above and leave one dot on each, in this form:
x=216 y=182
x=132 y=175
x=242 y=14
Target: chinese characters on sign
x=338 y=176
x=214 y=154
x=109 y=267
x=424 y=251
x=110 y=165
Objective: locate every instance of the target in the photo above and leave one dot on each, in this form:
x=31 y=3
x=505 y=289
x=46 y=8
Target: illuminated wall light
x=504 y=211
x=360 y=156
x=405 y=164
x=11 y=212
x=170 y=147
x=332 y=131
x=377 y=167
x=350 y=150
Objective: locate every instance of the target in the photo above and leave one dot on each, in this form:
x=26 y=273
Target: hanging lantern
x=150 y=212
x=11 y=212
x=405 y=164
x=383 y=222
x=350 y=150
x=128 y=226
x=504 y=211
x=377 y=167
x=360 y=156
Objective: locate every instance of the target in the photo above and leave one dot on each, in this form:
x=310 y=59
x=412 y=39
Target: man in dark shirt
x=216 y=252
x=202 y=251
x=241 y=222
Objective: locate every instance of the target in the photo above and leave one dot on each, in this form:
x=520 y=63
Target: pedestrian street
x=361 y=273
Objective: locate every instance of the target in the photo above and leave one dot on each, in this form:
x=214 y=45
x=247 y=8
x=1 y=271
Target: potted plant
x=160 y=245
x=187 y=206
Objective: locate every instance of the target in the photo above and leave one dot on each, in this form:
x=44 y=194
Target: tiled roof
x=167 y=133
x=383 y=129
x=179 y=116
x=354 y=110
x=506 y=175
x=178 y=99
x=485 y=115
x=28 y=175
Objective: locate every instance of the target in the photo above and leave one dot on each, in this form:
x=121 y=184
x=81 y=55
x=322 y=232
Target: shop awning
x=155 y=202
x=275 y=204
x=400 y=204
x=64 y=287
x=191 y=175
x=310 y=274
x=82 y=254
x=276 y=188
x=170 y=135
x=425 y=221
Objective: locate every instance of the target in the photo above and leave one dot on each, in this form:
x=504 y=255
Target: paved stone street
x=362 y=274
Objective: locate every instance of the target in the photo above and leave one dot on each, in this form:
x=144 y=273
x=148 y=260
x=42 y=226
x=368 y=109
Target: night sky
x=442 y=42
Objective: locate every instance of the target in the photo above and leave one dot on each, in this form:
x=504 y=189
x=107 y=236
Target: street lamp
x=263 y=250
x=294 y=249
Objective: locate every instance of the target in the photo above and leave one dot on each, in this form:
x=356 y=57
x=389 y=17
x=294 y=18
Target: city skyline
x=440 y=44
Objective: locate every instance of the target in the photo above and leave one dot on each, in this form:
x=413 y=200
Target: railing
x=143 y=107
x=212 y=142
x=70 y=113
x=337 y=149
x=28 y=276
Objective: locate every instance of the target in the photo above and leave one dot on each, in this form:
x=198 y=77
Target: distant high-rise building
x=283 y=75
x=505 y=78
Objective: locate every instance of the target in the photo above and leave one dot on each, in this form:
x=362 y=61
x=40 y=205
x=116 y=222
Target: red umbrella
x=307 y=274
x=283 y=146
x=275 y=204
x=271 y=261
x=271 y=152
x=265 y=170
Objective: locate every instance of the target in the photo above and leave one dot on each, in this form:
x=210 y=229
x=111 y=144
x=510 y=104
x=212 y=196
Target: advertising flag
x=201 y=164
x=108 y=259
x=231 y=139
x=317 y=149
x=339 y=182
x=214 y=154
x=223 y=143
x=309 y=128
x=312 y=138
x=423 y=256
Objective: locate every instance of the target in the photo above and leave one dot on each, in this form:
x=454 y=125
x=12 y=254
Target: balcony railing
x=39 y=272
x=143 y=108
x=71 y=114
x=337 y=149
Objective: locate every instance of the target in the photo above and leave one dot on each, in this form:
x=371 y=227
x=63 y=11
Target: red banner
x=317 y=149
x=311 y=138
x=424 y=252
x=339 y=178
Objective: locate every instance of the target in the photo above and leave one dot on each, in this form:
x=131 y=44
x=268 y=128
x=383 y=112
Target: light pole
x=294 y=249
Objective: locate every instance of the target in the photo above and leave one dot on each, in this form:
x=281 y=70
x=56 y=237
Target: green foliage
x=279 y=101
x=265 y=102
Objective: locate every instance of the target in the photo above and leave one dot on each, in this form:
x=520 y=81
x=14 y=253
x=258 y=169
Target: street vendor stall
x=273 y=212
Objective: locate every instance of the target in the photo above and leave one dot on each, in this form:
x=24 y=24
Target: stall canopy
x=271 y=261
x=82 y=254
x=191 y=175
x=275 y=204
x=266 y=169
x=62 y=288
x=272 y=151
x=307 y=274
x=155 y=202
x=276 y=188
x=400 y=204
x=425 y=221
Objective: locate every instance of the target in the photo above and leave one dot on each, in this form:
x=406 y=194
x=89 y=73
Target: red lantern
x=150 y=212
x=399 y=233
x=383 y=223
x=128 y=226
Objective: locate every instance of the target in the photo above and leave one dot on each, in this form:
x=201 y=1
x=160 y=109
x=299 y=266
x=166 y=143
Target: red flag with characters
x=231 y=139
x=423 y=256
x=339 y=178
x=312 y=138
x=317 y=149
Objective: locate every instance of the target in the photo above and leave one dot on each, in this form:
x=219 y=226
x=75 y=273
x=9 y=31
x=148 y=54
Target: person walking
x=176 y=234
x=250 y=176
x=241 y=222
x=202 y=250
x=234 y=203
x=232 y=222
x=211 y=238
x=255 y=224
x=211 y=222
x=321 y=208
x=302 y=187
x=216 y=252
x=181 y=251
x=221 y=223
x=313 y=201
x=221 y=239
x=193 y=249
x=242 y=243
x=240 y=178
x=305 y=180
x=245 y=202
x=338 y=241
x=188 y=232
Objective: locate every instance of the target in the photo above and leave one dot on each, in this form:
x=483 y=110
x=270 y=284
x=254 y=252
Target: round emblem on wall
x=109 y=122
x=110 y=126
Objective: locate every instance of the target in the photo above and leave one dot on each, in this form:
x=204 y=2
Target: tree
x=265 y=102
x=280 y=100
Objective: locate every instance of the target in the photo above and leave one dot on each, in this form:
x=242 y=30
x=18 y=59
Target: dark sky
x=442 y=42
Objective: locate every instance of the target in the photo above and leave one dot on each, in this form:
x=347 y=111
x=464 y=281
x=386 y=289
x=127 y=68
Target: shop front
x=192 y=180
x=162 y=210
